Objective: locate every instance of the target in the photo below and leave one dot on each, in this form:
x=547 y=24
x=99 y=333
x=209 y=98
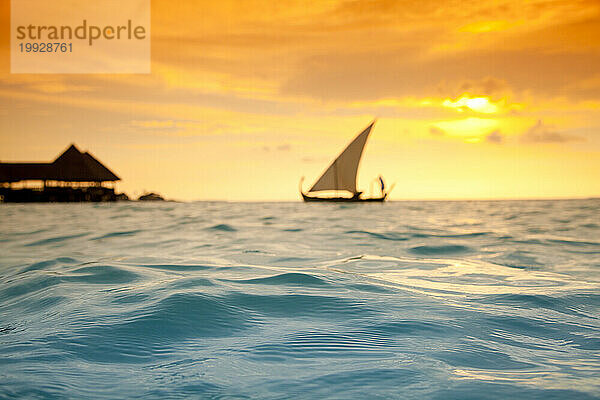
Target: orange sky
x=475 y=99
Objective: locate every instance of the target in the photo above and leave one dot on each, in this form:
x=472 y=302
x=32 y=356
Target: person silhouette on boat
x=382 y=184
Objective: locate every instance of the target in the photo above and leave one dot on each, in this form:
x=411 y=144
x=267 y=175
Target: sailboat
x=341 y=175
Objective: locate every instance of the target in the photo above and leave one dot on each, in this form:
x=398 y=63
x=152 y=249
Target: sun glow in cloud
x=489 y=26
x=478 y=104
x=468 y=128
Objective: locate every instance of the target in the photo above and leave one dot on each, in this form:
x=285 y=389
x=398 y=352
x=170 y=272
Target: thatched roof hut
x=70 y=166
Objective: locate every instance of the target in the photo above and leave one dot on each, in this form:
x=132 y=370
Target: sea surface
x=407 y=300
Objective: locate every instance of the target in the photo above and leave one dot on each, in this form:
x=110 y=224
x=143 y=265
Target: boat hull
x=343 y=199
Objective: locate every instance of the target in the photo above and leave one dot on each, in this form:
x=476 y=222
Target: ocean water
x=409 y=300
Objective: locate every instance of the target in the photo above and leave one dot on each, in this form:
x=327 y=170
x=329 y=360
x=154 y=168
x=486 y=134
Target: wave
x=439 y=250
x=297 y=305
x=100 y=275
x=117 y=234
x=386 y=236
x=292 y=278
x=222 y=228
x=56 y=239
x=159 y=328
x=476 y=356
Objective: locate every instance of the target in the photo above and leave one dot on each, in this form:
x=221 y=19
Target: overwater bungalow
x=74 y=176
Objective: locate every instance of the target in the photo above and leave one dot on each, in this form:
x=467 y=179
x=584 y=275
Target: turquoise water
x=412 y=300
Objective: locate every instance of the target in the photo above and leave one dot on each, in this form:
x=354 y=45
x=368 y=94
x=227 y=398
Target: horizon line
x=397 y=200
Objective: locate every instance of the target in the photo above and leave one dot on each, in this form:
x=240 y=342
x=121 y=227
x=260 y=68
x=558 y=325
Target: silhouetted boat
x=341 y=175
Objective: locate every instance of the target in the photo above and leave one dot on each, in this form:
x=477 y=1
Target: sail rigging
x=341 y=174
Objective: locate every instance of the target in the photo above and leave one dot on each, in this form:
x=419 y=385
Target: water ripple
x=435 y=300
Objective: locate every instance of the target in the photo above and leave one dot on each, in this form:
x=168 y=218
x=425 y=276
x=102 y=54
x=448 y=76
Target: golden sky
x=474 y=99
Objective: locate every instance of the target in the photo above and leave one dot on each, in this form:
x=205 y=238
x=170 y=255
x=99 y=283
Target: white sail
x=341 y=174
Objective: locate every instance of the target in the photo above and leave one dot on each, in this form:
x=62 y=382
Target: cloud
x=181 y=127
x=371 y=74
x=489 y=86
x=366 y=50
x=46 y=84
x=540 y=133
x=282 y=147
x=495 y=137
